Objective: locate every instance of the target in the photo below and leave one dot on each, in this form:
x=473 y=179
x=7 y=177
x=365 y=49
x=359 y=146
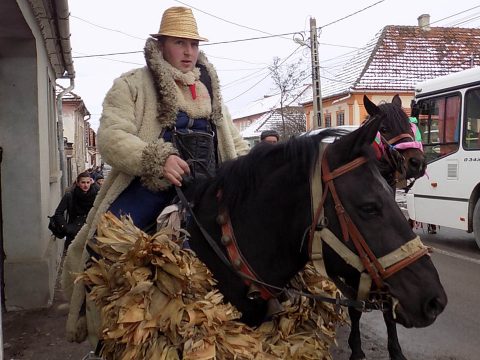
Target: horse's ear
x=371 y=108
x=365 y=135
x=397 y=101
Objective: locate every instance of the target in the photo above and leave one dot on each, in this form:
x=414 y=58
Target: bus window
x=439 y=120
x=472 y=123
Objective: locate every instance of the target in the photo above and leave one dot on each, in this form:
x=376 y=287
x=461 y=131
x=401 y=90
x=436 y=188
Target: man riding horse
x=159 y=123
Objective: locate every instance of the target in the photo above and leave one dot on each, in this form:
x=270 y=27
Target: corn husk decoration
x=158 y=301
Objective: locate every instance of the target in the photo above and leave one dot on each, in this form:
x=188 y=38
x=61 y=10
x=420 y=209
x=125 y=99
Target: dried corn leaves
x=158 y=301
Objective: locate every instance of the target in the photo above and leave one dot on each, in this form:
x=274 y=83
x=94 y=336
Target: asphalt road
x=454 y=335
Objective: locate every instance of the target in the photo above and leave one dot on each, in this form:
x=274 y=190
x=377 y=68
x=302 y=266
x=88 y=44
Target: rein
x=249 y=279
x=377 y=269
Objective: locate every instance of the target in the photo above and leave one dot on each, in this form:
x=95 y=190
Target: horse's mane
x=238 y=178
x=395 y=116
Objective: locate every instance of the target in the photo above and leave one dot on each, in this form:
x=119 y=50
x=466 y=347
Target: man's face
x=270 y=139
x=84 y=183
x=181 y=53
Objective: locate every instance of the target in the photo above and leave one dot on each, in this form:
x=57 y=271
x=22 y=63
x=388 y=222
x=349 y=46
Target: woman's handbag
x=56 y=228
x=198 y=150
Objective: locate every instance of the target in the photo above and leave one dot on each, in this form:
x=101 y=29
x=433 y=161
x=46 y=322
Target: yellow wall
x=352 y=106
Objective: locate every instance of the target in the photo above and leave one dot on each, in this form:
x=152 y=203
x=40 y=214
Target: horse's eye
x=370 y=209
x=383 y=130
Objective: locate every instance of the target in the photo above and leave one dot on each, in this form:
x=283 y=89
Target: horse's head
x=402 y=155
x=376 y=240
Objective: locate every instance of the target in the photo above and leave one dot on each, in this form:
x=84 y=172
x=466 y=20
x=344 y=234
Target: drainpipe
x=61 y=144
x=2 y=259
x=63 y=15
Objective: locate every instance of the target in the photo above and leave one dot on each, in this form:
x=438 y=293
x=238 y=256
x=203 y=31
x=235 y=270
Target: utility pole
x=317 y=91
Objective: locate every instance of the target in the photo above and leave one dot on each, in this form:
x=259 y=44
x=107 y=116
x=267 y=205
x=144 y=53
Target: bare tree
x=287 y=79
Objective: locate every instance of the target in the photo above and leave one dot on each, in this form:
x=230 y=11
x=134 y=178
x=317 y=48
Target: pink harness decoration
x=415 y=144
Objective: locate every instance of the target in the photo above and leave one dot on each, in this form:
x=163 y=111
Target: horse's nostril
x=415 y=163
x=434 y=307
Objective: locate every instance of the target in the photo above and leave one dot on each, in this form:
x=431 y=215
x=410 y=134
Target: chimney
x=424 y=22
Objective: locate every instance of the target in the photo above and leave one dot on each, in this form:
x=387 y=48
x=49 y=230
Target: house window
x=328 y=120
x=340 y=118
x=53 y=157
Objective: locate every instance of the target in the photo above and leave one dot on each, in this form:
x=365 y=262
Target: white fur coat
x=135 y=110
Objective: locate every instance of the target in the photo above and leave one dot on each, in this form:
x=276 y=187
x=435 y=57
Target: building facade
x=393 y=63
x=36 y=51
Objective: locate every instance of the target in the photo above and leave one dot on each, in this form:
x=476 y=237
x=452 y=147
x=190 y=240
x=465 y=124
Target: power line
x=105 y=58
x=466 y=21
x=350 y=15
x=245 y=78
x=110 y=54
x=224 y=58
x=450 y=16
x=248 y=77
x=106 y=28
x=250 y=39
x=222 y=19
x=258 y=82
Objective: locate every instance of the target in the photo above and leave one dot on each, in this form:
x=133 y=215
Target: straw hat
x=179 y=22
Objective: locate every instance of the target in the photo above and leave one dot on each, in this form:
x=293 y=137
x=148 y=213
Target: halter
x=367 y=264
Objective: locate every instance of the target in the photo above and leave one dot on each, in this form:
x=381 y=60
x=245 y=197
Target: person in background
x=269 y=136
x=159 y=124
x=96 y=172
x=74 y=206
x=99 y=181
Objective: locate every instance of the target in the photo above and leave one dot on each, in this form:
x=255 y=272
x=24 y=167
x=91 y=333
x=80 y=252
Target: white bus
x=448 y=113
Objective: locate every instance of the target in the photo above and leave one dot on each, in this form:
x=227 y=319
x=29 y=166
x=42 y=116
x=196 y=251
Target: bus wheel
x=476 y=223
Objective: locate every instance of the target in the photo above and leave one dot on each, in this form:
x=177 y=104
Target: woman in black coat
x=73 y=209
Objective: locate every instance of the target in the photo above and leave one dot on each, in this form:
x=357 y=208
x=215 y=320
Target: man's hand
x=174 y=169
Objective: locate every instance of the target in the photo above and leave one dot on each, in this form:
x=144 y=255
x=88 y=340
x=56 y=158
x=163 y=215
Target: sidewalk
x=40 y=334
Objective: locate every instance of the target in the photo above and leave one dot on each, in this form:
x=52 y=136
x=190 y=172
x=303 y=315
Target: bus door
x=439 y=121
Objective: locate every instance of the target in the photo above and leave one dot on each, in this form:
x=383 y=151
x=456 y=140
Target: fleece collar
x=164 y=77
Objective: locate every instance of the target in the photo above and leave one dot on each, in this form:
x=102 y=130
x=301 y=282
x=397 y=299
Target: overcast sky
x=118 y=26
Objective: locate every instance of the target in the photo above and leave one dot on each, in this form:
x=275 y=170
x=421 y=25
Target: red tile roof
x=401 y=56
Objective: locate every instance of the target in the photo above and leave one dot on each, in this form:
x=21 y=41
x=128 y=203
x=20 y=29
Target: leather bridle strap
x=328 y=178
x=348 y=227
x=238 y=260
x=399 y=137
x=374 y=267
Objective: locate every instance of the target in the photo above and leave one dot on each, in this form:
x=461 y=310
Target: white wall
x=29 y=182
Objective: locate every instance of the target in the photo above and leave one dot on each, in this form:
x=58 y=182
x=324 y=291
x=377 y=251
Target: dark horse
x=401 y=156
x=401 y=159
x=266 y=198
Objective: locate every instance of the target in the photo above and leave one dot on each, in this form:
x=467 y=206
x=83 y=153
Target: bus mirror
x=414 y=108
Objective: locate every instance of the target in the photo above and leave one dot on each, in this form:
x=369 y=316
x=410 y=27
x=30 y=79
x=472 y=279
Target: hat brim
x=177 y=35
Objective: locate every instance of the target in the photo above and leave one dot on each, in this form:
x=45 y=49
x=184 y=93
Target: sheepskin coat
x=139 y=105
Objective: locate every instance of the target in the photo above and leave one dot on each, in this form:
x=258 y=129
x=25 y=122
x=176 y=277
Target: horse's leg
x=394 y=348
x=354 y=340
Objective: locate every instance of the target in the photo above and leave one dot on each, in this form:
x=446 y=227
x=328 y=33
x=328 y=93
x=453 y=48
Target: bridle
x=390 y=151
x=365 y=261
x=369 y=266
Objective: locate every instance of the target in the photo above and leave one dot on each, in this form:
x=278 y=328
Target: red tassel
x=193 y=90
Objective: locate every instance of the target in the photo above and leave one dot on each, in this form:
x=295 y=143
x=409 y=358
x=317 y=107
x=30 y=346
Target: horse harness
x=365 y=262
x=390 y=151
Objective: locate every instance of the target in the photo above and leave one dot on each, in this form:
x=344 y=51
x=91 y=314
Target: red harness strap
x=237 y=259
